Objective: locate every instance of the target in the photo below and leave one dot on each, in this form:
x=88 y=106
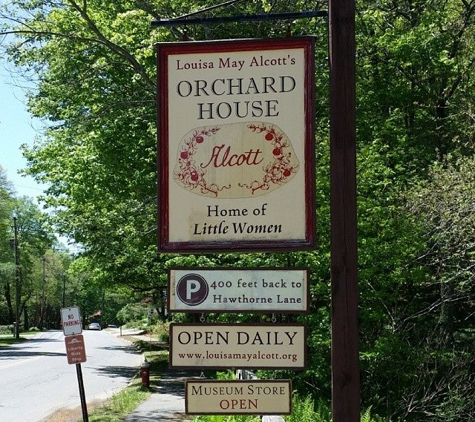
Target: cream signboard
x=238 y=290
x=236 y=145
x=256 y=397
x=217 y=346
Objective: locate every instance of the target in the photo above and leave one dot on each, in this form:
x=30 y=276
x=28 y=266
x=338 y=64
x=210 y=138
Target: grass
x=123 y=403
x=10 y=340
x=120 y=405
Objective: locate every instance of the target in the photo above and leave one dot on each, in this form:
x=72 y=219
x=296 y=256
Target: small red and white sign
x=75 y=349
x=71 y=321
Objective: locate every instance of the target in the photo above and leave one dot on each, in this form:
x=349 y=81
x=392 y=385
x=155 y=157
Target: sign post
x=82 y=393
x=75 y=349
x=343 y=215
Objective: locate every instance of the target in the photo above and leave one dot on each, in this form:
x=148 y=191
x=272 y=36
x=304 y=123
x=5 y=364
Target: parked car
x=95 y=326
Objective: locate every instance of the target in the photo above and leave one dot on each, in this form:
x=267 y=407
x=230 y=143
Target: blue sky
x=16 y=128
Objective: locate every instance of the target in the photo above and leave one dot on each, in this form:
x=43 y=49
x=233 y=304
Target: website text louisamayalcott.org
x=246 y=357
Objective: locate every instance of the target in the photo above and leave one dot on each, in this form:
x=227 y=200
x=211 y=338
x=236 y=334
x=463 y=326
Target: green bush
x=131 y=313
x=6 y=329
x=164 y=337
x=303 y=410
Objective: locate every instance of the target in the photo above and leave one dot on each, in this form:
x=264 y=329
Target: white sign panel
x=238 y=290
x=71 y=321
x=254 y=397
x=271 y=346
x=236 y=144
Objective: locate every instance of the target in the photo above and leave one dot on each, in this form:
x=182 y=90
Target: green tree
x=34 y=236
x=443 y=204
x=415 y=95
x=6 y=198
x=95 y=67
x=7 y=269
x=95 y=71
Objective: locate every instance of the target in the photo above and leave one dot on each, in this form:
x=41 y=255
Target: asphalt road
x=36 y=379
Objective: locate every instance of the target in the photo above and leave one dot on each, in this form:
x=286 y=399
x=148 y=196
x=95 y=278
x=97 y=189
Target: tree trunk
x=8 y=299
x=446 y=319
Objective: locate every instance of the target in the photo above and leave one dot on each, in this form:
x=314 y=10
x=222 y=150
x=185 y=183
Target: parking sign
x=238 y=290
x=71 y=321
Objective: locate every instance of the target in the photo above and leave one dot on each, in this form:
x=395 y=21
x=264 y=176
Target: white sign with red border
x=71 y=321
x=236 y=145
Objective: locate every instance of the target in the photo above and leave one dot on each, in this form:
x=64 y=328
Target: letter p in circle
x=192 y=289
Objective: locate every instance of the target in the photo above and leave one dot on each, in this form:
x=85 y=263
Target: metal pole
x=64 y=289
x=345 y=359
x=42 y=315
x=82 y=394
x=17 y=280
x=245 y=18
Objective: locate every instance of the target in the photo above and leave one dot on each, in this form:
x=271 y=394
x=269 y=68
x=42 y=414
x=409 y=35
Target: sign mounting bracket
x=242 y=18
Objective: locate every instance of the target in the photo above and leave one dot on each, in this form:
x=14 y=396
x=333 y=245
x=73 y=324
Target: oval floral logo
x=238 y=160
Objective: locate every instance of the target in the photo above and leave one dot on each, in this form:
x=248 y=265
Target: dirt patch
x=71 y=415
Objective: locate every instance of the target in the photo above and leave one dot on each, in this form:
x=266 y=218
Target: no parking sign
x=71 y=321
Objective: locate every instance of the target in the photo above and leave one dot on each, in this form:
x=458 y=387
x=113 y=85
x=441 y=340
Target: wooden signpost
x=257 y=225
x=344 y=277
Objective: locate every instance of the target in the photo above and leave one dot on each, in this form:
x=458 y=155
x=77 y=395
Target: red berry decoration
x=184 y=155
x=269 y=136
x=194 y=176
x=276 y=151
x=199 y=139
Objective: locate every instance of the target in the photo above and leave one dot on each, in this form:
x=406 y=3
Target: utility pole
x=17 y=280
x=64 y=288
x=42 y=314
